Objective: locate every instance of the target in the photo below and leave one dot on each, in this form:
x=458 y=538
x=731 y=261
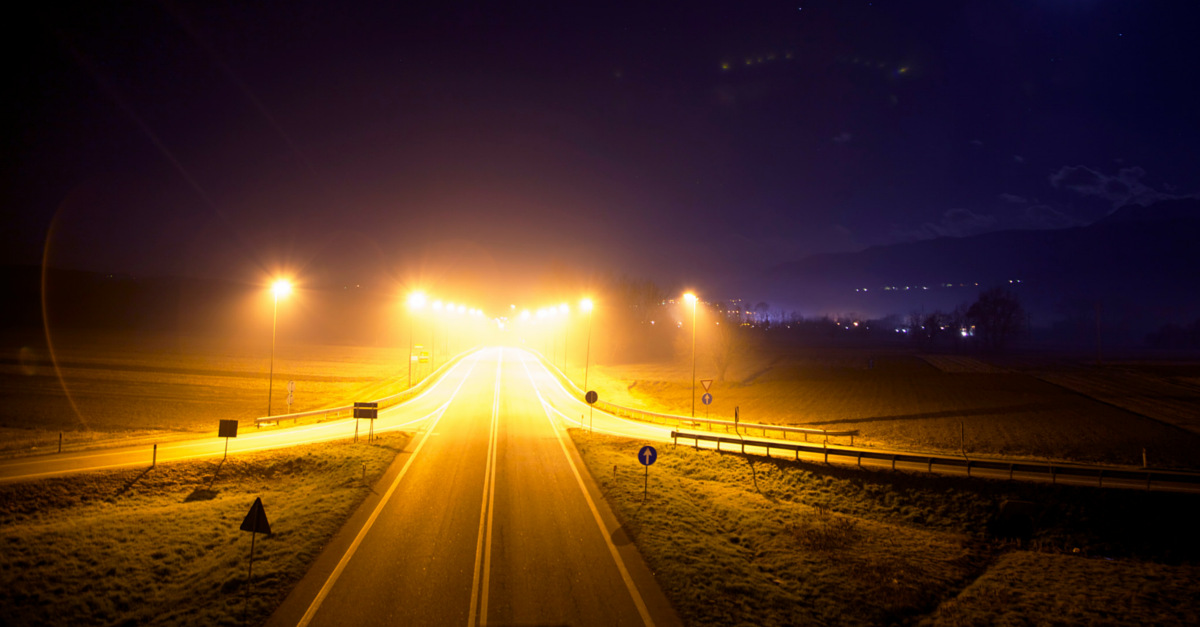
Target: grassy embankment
x=127 y=387
x=162 y=546
x=905 y=402
x=738 y=540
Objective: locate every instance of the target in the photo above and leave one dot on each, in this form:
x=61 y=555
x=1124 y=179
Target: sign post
x=647 y=456
x=735 y=420
x=369 y=411
x=256 y=523
x=707 y=400
x=291 y=389
x=591 y=397
x=227 y=429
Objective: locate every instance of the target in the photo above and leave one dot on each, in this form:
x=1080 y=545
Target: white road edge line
x=362 y=533
x=483 y=545
x=612 y=548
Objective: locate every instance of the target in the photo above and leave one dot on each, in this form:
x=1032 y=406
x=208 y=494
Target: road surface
x=491 y=519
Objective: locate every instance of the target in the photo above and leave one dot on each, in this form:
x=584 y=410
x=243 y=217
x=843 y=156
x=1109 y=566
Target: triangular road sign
x=707 y=383
x=256 y=520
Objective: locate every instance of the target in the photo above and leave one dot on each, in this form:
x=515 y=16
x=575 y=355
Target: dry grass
x=158 y=386
x=1027 y=588
x=738 y=540
x=163 y=546
x=904 y=402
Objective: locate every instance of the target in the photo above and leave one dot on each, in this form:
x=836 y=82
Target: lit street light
x=586 y=305
x=691 y=298
x=279 y=288
x=416 y=300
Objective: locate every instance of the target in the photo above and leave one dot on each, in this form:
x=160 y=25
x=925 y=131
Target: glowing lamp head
x=563 y=308
x=462 y=308
x=586 y=304
x=690 y=298
x=281 y=288
x=525 y=314
x=416 y=300
x=437 y=305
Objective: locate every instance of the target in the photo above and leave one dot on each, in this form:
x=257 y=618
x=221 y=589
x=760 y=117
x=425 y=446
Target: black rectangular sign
x=363 y=412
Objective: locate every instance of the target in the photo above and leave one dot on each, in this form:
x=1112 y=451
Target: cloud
x=1123 y=189
x=1047 y=217
x=954 y=223
x=1018 y=158
x=976 y=143
x=841 y=138
x=1013 y=198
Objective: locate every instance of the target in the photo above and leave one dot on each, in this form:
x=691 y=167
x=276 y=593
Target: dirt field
x=736 y=540
x=125 y=386
x=162 y=546
x=906 y=402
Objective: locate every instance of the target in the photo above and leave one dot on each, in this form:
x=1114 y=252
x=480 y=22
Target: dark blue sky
x=697 y=144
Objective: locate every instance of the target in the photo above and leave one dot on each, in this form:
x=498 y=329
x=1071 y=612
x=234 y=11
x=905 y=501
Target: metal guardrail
x=385 y=401
x=1052 y=470
x=679 y=421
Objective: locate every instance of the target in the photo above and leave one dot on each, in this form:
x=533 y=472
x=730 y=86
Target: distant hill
x=1142 y=260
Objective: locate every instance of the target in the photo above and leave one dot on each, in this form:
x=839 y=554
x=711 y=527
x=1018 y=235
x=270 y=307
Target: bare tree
x=997 y=317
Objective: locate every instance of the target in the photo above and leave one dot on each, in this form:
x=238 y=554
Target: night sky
x=695 y=144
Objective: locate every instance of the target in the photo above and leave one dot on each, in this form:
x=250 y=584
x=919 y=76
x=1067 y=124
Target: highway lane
x=490 y=521
x=408 y=415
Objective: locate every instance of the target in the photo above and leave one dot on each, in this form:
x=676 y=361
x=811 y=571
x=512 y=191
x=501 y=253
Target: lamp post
x=586 y=305
x=566 y=328
x=691 y=298
x=416 y=300
x=280 y=288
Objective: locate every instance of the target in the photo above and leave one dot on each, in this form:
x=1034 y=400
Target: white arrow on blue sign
x=706 y=399
x=647 y=455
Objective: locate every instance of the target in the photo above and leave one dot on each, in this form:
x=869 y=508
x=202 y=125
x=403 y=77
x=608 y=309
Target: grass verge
x=162 y=546
x=743 y=540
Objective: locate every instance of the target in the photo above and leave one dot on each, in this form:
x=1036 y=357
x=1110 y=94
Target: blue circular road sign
x=647 y=455
x=706 y=399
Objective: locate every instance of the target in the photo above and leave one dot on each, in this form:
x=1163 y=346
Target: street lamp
x=279 y=288
x=691 y=298
x=566 y=327
x=586 y=305
x=416 y=300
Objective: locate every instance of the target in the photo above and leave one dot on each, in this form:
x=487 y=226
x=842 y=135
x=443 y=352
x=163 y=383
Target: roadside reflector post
x=227 y=429
x=1143 y=451
x=154 y=457
x=60 y=448
x=962 y=439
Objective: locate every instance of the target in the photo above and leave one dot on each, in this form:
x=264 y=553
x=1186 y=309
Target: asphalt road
x=490 y=519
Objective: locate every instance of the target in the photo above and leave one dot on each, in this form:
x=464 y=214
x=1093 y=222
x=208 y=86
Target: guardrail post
x=1052 y=477
x=826 y=455
x=1100 y=479
x=930 y=469
x=860 y=459
x=1148 y=475
x=968 y=468
x=674 y=440
x=1011 y=467
x=893 y=463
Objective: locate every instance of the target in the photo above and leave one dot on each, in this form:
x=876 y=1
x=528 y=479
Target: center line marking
x=483 y=546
